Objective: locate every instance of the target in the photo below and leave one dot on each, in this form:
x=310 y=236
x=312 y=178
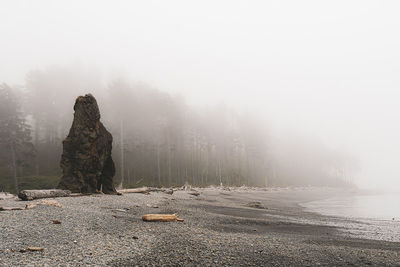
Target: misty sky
x=329 y=69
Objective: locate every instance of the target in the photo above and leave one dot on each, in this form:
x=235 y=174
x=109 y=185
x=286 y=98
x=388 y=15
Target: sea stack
x=86 y=160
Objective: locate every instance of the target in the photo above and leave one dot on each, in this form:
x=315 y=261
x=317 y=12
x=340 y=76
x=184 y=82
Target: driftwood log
x=10 y=208
x=140 y=190
x=44 y=202
x=161 y=218
x=146 y=190
x=37 y=194
x=34 y=249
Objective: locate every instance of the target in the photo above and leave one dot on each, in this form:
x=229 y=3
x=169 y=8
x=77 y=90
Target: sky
x=329 y=69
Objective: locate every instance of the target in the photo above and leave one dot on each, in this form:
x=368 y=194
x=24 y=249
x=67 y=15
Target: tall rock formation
x=86 y=160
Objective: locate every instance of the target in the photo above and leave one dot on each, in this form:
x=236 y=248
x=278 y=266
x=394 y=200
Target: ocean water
x=377 y=207
x=372 y=216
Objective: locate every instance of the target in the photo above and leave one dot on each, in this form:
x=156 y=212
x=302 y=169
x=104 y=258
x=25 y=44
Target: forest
x=159 y=139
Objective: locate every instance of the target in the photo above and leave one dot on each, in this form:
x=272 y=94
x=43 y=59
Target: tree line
x=159 y=140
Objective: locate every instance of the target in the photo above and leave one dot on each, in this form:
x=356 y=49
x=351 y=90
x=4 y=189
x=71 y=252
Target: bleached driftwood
x=161 y=218
x=146 y=190
x=37 y=194
x=44 y=202
x=141 y=190
x=50 y=202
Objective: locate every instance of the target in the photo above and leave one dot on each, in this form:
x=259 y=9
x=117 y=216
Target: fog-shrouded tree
x=166 y=142
x=50 y=96
x=120 y=101
x=16 y=148
x=160 y=140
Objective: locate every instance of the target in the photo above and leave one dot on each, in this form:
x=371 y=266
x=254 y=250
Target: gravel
x=219 y=230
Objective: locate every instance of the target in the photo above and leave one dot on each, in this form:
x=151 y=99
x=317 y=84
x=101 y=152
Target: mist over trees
x=16 y=150
x=159 y=139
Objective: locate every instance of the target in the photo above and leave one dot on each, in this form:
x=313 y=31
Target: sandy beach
x=219 y=229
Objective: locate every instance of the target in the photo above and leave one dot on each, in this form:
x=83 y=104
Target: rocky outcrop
x=86 y=161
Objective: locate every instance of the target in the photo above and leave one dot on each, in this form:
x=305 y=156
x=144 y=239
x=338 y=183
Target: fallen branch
x=161 y=218
x=37 y=194
x=120 y=210
x=34 y=249
x=50 y=202
x=10 y=208
x=44 y=202
x=30 y=206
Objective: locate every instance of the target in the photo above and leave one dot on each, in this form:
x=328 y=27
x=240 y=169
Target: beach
x=222 y=227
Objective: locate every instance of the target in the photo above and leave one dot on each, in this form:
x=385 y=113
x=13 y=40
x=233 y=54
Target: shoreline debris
x=44 y=202
x=11 y=208
x=146 y=190
x=256 y=205
x=161 y=218
x=194 y=193
x=28 y=195
x=33 y=249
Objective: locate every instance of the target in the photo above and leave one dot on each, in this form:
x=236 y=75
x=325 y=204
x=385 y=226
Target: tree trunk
x=158 y=164
x=122 y=154
x=247 y=168
x=14 y=167
x=36 y=146
x=208 y=162
x=169 y=159
x=192 y=163
x=219 y=172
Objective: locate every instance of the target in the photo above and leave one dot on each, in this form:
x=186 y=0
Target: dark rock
x=169 y=191
x=86 y=160
x=256 y=204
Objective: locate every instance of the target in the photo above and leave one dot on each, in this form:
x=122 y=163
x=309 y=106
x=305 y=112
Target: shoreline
x=219 y=229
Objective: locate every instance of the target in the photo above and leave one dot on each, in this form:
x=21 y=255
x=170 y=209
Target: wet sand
x=219 y=230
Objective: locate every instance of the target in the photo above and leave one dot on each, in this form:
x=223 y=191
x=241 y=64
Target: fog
x=305 y=70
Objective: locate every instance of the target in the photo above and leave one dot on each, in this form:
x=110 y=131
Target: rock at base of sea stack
x=86 y=161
